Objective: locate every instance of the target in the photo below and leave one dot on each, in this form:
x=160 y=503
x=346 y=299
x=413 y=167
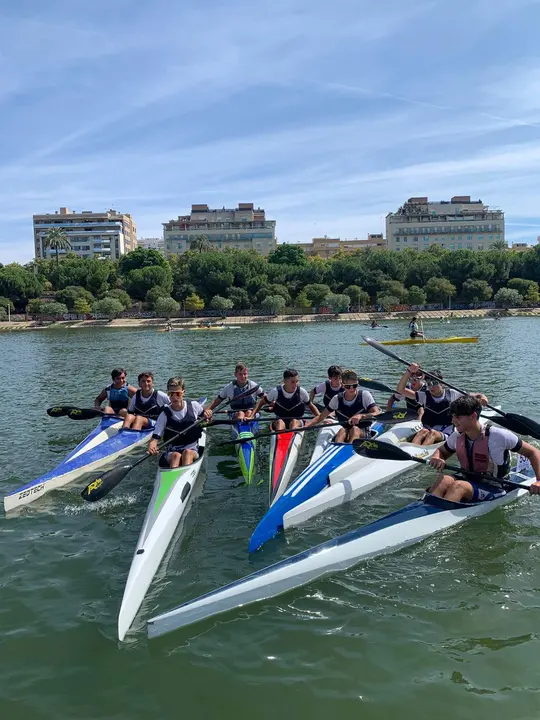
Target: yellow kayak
x=425 y=341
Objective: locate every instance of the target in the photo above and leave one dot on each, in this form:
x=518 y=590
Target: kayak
x=399 y=529
x=218 y=327
x=335 y=476
x=103 y=446
x=427 y=341
x=284 y=451
x=246 y=450
x=169 y=504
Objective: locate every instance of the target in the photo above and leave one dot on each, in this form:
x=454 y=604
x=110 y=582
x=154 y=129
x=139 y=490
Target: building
x=244 y=228
x=106 y=235
x=326 y=247
x=460 y=223
x=152 y=243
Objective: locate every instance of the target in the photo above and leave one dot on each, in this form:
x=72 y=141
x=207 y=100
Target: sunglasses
x=350 y=386
x=433 y=383
x=175 y=392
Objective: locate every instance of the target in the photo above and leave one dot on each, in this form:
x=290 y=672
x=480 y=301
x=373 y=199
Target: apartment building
x=326 y=247
x=103 y=235
x=152 y=243
x=244 y=228
x=453 y=224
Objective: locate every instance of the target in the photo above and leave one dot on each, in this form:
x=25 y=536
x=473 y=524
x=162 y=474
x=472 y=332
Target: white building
x=152 y=243
x=460 y=223
x=106 y=235
x=244 y=228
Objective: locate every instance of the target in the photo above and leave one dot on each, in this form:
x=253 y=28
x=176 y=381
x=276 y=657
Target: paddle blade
x=60 y=410
x=103 y=484
x=374 y=385
x=519 y=424
x=393 y=417
x=380 y=450
x=84 y=414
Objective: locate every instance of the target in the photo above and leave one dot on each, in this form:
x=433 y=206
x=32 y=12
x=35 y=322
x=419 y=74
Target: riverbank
x=190 y=323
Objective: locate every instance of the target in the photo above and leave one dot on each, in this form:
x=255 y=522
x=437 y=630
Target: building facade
x=244 y=228
x=460 y=223
x=326 y=247
x=107 y=235
x=152 y=243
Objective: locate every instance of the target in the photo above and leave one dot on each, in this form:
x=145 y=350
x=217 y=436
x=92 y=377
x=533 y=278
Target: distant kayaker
x=414 y=329
x=176 y=418
x=329 y=387
x=374 y=324
x=351 y=406
x=288 y=400
x=118 y=393
x=436 y=401
x=484 y=449
x=146 y=405
x=240 y=409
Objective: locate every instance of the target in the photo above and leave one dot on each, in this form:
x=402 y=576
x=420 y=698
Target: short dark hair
x=117 y=372
x=334 y=370
x=290 y=373
x=240 y=366
x=146 y=374
x=466 y=405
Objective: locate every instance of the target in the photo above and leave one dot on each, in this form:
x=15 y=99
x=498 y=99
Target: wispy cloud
x=327 y=115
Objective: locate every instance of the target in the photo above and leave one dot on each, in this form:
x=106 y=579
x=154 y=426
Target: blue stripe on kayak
x=309 y=483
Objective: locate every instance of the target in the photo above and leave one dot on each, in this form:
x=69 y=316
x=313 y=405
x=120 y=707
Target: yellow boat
x=425 y=341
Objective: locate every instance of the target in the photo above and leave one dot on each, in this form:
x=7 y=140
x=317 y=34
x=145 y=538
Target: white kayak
x=107 y=442
x=406 y=526
x=169 y=504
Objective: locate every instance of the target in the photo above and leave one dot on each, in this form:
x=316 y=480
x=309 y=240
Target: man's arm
x=533 y=455
x=440 y=456
x=100 y=398
x=402 y=388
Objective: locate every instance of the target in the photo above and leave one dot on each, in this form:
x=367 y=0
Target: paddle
x=89 y=414
x=391 y=417
x=386 y=451
x=511 y=421
x=60 y=410
x=102 y=485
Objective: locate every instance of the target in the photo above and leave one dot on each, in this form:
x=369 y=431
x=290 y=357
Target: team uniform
x=325 y=388
x=413 y=327
x=490 y=453
x=411 y=404
x=232 y=390
x=177 y=421
x=361 y=404
x=149 y=407
x=118 y=397
x=437 y=415
x=286 y=404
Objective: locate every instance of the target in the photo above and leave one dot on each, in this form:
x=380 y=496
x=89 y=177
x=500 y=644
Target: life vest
x=330 y=392
x=437 y=413
x=118 y=397
x=245 y=403
x=475 y=456
x=292 y=407
x=358 y=407
x=176 y=426
x=150 y=408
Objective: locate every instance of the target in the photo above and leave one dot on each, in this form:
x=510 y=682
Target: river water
x=446 y=629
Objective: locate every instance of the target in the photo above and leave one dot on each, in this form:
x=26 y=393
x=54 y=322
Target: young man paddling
x=240 y=409
x=435 y=400
x=288 y=401
x=146 y=405
x=177 y=417
x=351 y=406
x=330 y=387
x=118 y=393
x=483 y=449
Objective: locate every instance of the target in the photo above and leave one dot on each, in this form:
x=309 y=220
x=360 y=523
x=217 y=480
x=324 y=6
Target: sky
x=328 y=115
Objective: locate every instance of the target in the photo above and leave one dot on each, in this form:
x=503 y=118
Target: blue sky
x=329 y=115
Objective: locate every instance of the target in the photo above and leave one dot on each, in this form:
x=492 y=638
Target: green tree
x=220 y=303
x=110 y=307
x=499 y=245
x=6 y=303
x=338 y=303
x=139 y=282
x=388 y=301
x=317 y=293
x=141 y=258
x=3 y=314
x=194 y=302
x=56 y=239
x=532 y=297
x=71 y=293
x=439 y=289
x=475 y=291
x=523 y=286
x=19 y=285
x=302 y=300
x=166 y=306
x=82 y=306
x=395 y=289
x=34 y=306
x=122 y=297
x=273 y=304
x=200 y=244
x=240 y=298
x=353 y=291
x=507 y=298
x=286 y=254
x=52 y=309
x=416 y=296
x=153 y=295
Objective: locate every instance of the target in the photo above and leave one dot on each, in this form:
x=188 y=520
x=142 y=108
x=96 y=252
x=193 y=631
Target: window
x=397 y=240
x=490 y=238
x=452 y=246
x=479 y=247
x=480 y=237
x=460 y=246
x=469 y=237
x=426 y=239
x=469 y=246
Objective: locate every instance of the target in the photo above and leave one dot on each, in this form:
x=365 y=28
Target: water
x=448 y=628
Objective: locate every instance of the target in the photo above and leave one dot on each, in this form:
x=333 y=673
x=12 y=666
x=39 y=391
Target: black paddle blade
x=374 y=385
x=84 y=414
x=380 y=450
x=103 y=484
x=60 y=410
x=395 y=416
x=519 y=424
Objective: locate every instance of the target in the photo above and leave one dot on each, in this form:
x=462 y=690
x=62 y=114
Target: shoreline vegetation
x=248 y=320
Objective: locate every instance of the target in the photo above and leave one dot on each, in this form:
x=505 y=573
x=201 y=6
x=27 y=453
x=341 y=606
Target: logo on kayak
x=94 y=485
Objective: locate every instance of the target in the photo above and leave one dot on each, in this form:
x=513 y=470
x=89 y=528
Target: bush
x=52 y=309
x=194 y=302
x=71 y=293
x=166 y=306
x=110 y=307
x=507 y=298
x=221 y=303
x=3 y=314
x=273 y=304
x=338 y=303
x=82 y=307
x=122 y=297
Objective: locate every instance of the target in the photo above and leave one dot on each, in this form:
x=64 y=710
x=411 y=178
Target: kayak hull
x=101 y=447
x=428 y=341
x=284 y=450
x=246 y=451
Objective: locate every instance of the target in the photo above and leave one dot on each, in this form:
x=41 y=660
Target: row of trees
x=240 y=280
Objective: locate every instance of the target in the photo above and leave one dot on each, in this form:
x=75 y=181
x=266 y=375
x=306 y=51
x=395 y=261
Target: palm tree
x=200 y=243
x=56 y=239
x=499 y=245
